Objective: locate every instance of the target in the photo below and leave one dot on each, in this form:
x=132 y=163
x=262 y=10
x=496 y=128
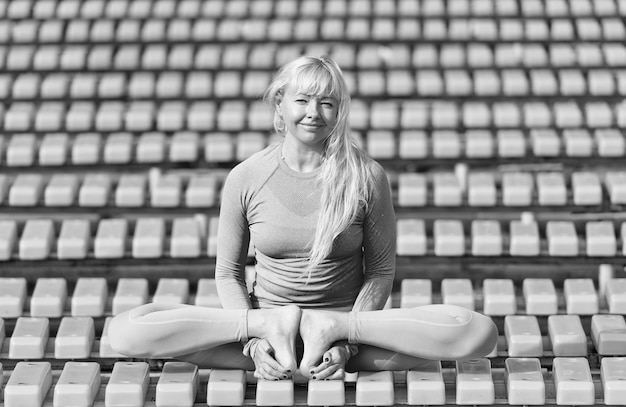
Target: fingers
x=334 y=372
x=263 y=373
x=332 y=366
x=331 y=357
x=267 y=372
x=266 y=366
x=339 y=374
x=313 y=371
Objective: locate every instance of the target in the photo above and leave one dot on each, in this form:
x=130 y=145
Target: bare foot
x=281 y=333
x=319 y=330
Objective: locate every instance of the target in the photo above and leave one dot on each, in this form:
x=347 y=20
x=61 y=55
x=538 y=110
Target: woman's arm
x=233 y=240
x=379 y=251
x=379 y=246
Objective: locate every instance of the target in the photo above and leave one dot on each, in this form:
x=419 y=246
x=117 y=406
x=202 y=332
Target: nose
x=312 y=109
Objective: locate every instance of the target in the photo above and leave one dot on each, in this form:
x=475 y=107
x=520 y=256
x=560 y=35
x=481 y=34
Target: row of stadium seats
x=450 y=237
x=54 y=149
x=264 y=56
x=94 y=297
x=513 y=189
x=573 y=83
x=310 y=28
x=570 y=380
x=71 y=9
x=58 y=149
x=90 y=297
x=98 y=190
x=150 y=237
x=509 y=189
x=234 y=115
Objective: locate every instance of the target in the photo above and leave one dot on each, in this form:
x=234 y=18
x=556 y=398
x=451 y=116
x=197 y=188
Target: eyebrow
x=321 y=97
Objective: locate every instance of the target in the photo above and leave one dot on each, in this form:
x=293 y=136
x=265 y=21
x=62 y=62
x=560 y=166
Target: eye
x=328 y=105
x=301 y=101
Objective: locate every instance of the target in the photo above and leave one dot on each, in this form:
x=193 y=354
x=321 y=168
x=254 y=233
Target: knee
x=491 y=334
x=125 y=338
x=471 y=334
x=119 y=335
x=480 y=339
x=456 y=315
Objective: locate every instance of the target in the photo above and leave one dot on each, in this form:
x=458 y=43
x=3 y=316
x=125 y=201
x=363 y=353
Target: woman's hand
x=333 y=366
x=266 y=366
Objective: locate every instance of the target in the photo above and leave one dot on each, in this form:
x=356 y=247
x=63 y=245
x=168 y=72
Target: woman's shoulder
x=376 y=170
x=375 y=167
x=379 y=186
x=257 y=164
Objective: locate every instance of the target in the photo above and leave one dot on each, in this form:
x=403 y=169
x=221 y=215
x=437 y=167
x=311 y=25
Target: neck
x=301 y=158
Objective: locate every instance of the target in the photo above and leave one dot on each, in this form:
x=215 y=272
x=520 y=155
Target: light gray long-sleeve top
x=266 y=201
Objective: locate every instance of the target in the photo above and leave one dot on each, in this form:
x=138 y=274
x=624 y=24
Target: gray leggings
x=390 y=339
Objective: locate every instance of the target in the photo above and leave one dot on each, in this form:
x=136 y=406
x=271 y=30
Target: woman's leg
x=429 y=332
x=373 y=359
x=172 y=330
x=228 y=356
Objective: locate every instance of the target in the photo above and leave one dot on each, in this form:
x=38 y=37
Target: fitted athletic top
x=264 y=200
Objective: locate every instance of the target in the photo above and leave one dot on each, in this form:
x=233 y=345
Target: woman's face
x=309 y=119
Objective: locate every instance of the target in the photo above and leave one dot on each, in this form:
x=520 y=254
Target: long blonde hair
x=345 y=175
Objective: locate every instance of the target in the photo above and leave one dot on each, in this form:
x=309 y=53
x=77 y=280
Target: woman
x=320 y=214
